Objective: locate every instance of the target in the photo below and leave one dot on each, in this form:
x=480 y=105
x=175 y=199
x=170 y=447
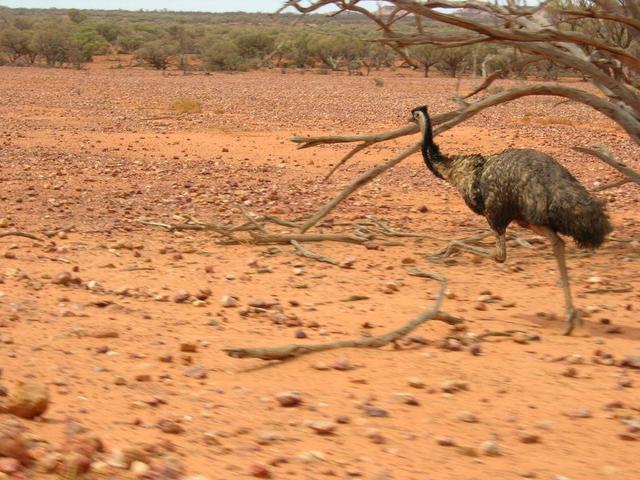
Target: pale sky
x=182 y=5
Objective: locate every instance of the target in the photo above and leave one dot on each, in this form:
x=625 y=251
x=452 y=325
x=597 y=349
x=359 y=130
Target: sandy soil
x=100 y=150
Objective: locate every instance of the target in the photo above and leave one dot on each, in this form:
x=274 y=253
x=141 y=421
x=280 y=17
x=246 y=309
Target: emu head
x=421 y=116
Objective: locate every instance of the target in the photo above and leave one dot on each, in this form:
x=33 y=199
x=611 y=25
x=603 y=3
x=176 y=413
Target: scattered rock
x=526 y=436
x=28 y=400
x=9 y=465
x=139 y=469
x=454 y=386
x=446 y=441
x=491 y=448
x=188 y=347
x=62 y=278
x=259 y=471
x=521 y=337
x=320 y=366
x=371 y=411
x=289 y=398
x=102 y=333
x=375 y=436
x=416 y=382
x=579 y=413
x=631 y=361
x=475 y=349
x=197 y=372
x=406 y=398
x=467 y=417
x=181 y=296
x=229 y=301
x=322 y=427
x=342 y=364
x=171 y=427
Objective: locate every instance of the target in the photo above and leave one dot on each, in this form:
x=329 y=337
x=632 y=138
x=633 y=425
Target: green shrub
x=53 y=45
x=157 y=54
x=224 y=55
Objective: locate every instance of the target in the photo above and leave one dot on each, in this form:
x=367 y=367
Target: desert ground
x=125 y=322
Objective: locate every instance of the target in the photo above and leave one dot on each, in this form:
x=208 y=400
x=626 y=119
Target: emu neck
x=434 y=160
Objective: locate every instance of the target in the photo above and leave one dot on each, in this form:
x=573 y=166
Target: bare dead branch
x=603 y=154
x=54 y=232
x=609 y=186
x=619 y=115
x=345 y=159
x=16 y=233
x=290 y=351
x=486 y=84
x=314 y=256
x=356 y=184
x=538 y=30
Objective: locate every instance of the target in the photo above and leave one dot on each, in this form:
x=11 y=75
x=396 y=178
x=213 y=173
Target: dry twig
x=17 y=233
x=314 y=256
x=291 y=351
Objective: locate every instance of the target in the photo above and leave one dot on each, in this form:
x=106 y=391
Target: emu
x=523 y=186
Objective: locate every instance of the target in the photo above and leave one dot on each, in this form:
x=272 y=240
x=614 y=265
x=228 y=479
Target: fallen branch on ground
x=291 y=351
x=608 y=186
x=53 y=233
x=314 y=256
x=472 y=244
x=17 y=233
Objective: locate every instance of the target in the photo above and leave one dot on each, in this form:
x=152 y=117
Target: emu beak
x=411 y=119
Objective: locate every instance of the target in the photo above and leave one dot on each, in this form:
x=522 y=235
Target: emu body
x=523 y=186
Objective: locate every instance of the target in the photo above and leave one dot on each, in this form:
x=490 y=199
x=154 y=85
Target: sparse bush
x=130 y=42
x=453 y=60
x=110 y=31
x=76 y=16
x=186 y=105
x=88 y=42
x=256 y=44
x=426 y=56
x=15 y=44
x=224 y=55
x=157 y=54
x=52 y=44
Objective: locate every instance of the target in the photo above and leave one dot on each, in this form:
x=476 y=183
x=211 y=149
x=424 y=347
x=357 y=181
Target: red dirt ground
x=100 y=150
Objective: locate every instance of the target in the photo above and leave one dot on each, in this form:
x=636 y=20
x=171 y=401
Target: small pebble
x=445 y=441
x=322 y=427
x=289 y=398
x=491 y=448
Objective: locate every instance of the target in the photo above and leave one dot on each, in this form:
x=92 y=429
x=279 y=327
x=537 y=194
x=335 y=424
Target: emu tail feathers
x=579 y=215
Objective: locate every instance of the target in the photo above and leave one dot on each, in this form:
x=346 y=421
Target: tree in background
x=157 y=54
x=16 y=44
x=51 y=44
x=598 y=39
x=76 y=16
x=453 y=60
x=224 y=55
x=426 y=56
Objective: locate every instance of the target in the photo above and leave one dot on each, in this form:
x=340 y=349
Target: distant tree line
x=230 y=42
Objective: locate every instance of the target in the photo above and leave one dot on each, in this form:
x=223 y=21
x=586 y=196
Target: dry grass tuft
x=186 y=105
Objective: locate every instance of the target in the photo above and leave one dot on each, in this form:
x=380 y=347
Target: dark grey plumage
x=523 y=186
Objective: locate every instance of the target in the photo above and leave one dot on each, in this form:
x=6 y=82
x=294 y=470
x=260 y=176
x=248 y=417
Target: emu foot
x=573 y=320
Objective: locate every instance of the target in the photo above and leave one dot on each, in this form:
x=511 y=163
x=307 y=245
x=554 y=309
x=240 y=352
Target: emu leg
x=573 y=319
x=501 y=248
